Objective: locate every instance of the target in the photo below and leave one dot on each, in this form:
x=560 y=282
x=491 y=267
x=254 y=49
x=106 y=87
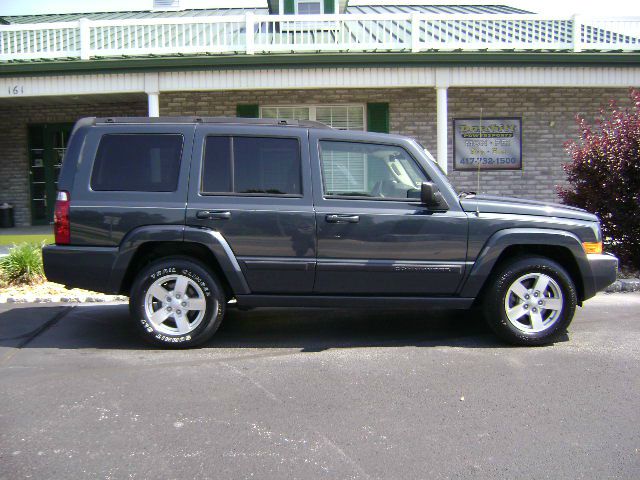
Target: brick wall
x=547 y=122
x=14 y=163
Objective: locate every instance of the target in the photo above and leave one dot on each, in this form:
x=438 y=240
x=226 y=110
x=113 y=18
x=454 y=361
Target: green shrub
x=604 y=177
x=23 y=264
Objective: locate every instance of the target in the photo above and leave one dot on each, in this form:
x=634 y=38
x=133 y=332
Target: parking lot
x=319 y=394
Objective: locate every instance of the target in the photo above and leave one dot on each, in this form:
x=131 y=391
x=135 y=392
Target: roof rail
x=219 y=120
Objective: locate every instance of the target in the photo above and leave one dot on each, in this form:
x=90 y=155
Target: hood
x=521 y=206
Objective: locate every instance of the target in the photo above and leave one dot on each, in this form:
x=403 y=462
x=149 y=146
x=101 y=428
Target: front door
x=374 y=235
x=255 y=189
x=47 y=145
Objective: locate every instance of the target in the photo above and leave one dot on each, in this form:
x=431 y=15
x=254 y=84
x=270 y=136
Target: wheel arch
x=147 y=244
x=560 y=246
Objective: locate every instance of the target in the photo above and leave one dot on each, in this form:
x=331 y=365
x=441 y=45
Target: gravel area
x=48 y=292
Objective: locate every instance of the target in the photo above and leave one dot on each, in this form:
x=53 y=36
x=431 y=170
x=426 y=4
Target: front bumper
x=604 y=271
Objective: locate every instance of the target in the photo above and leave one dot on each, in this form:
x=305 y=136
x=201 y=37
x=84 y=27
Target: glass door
x=47 y=145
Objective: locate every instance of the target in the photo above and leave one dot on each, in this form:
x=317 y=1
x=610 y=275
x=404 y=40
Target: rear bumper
x=604 y=271
x=81 y=267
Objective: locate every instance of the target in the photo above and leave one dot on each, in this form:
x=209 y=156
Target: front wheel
x=531 y=301
x=176 y=302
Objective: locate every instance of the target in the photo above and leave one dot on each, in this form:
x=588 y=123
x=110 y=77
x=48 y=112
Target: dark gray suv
x=188 y=216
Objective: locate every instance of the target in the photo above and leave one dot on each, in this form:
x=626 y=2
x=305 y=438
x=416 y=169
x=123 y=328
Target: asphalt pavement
x=314 y=393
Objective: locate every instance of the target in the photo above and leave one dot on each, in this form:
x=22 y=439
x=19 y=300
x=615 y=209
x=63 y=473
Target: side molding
x=502 y=239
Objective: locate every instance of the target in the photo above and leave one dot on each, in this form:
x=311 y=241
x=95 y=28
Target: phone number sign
x=487 y=143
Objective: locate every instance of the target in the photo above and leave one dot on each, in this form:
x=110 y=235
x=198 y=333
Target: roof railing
x=251 y=34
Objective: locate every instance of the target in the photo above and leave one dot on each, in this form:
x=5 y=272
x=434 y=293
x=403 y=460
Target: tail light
x=61 y=226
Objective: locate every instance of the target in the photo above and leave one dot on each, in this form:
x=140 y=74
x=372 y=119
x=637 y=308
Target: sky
x=551 y=7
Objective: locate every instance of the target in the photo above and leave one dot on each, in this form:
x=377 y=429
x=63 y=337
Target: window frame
x=365 y=198
x=92 y=170
x=203 y=193
x=312 y=108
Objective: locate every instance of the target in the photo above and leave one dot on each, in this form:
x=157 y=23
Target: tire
x=515 y=300
x=175 y=321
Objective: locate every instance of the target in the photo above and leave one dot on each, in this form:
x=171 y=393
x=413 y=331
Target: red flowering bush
x=604 y=176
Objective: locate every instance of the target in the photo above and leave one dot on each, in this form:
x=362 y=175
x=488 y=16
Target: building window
x=309 y=7
x=137 y=163
x=342 y=117
x=251 y=165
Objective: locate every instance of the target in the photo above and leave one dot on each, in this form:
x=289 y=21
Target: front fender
x=499 y=241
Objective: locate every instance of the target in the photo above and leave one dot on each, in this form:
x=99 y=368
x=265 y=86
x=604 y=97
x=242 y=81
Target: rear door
x=253 y=185
x=374 y=235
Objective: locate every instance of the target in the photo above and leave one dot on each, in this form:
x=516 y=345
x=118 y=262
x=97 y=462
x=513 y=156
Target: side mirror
x=431 y=197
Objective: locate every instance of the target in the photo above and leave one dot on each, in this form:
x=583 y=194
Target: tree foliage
x=604 y=176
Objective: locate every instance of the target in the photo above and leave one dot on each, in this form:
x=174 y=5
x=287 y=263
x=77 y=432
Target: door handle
x=335 y=218
x=213 y=215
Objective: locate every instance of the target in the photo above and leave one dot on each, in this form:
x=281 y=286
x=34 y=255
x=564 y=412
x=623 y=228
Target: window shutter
x=378 y=117
x=329 y=6
x=289 y=6
x=247 y=111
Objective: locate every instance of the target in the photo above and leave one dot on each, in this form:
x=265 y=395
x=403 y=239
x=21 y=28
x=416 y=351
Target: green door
x=47 y=144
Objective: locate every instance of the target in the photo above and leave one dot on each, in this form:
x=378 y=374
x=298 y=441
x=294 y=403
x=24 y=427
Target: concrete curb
x=624 y=285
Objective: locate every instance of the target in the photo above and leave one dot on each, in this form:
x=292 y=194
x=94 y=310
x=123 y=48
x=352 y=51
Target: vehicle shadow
x=307 y=329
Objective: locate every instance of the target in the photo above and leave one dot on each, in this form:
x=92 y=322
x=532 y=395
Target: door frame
x=48 y=129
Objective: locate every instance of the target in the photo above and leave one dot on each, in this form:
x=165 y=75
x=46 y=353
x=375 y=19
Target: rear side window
x=137 y=163
x=251 y=165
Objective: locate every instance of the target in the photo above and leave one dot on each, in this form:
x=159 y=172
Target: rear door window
x=251 y=166
x=137 y=162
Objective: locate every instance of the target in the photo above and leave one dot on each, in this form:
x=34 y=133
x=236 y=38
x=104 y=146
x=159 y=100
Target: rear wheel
x=531 y=301
x=177 y=303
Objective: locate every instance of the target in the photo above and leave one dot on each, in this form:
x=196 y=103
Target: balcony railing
x=262 y=34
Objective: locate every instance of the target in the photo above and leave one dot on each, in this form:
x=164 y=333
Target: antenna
x=479 y=163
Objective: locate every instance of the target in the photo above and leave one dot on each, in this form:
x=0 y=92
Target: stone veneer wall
x=14 y=162
x=547 y=122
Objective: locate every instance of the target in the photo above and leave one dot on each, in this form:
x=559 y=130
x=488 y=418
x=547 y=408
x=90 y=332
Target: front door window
x=364 y=170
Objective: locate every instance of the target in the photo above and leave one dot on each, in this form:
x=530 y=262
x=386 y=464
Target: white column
x=442 y=127
x=154 y=104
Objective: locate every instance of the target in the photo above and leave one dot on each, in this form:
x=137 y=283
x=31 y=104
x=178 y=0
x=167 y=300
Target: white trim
x=319 y=78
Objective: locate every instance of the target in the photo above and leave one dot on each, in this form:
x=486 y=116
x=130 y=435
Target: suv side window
x=366 y=170
x=251 y=165
x=137 y=162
